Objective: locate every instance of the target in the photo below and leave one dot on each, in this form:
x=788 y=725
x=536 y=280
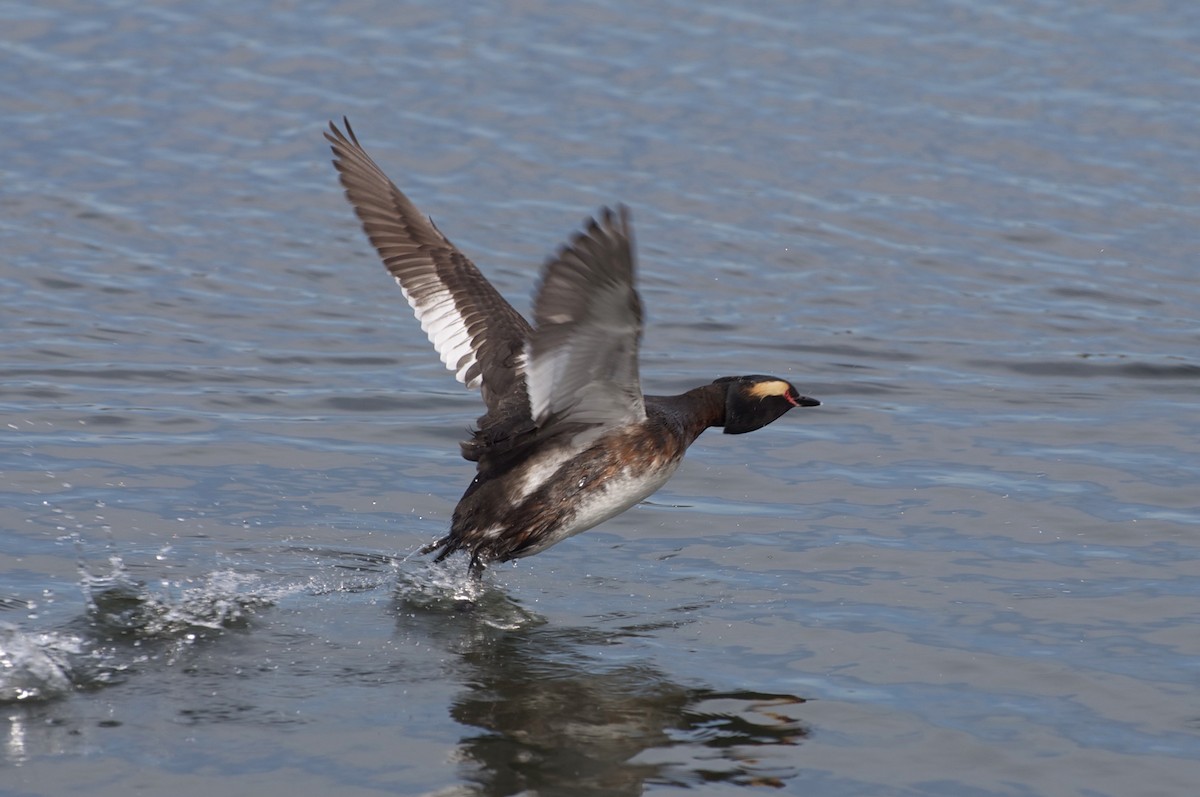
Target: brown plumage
x=568 y=439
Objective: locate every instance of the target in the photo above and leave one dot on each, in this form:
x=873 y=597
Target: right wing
x=479 y=336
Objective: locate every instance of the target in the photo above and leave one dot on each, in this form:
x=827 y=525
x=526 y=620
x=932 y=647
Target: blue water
x=969 y=228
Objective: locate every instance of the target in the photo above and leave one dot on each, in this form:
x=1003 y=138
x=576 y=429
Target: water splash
x=36 y=666
x=128 y=623
x=219 y=600
x=123 y=621
x=448 y=588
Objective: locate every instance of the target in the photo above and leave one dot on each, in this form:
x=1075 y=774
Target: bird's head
x=751 y=402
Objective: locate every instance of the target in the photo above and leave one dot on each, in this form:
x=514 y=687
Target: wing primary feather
x=581 y=361
x=447 y=293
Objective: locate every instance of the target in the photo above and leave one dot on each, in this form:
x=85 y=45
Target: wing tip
x=334 y=134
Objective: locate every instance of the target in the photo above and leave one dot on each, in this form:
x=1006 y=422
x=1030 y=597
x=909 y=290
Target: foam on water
x=128 y=622
x=36 y=665
x=125 y=622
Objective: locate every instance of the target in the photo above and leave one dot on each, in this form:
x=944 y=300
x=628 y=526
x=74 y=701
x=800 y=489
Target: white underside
x=618 y=494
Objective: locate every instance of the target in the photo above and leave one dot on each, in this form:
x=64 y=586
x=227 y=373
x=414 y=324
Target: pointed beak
x=805 y=401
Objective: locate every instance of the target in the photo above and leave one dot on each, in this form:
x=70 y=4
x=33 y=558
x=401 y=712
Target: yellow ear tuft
x=771 y=387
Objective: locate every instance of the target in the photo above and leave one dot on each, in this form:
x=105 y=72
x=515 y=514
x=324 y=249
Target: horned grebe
x=568 y=440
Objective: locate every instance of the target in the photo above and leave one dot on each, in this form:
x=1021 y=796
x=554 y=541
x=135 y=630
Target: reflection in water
x=555 y=718
x=549 y=710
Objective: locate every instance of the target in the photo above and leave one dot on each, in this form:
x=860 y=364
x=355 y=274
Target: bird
x=568 y=440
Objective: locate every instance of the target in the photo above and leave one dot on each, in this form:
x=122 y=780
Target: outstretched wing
x=582 y=359
x=479 y=336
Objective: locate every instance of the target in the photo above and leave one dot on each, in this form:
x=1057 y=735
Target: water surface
x=969 y=228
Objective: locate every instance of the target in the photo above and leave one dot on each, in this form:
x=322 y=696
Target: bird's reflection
x=551 y=714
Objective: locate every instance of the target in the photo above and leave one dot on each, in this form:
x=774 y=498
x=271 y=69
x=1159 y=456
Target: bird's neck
x=694 y=411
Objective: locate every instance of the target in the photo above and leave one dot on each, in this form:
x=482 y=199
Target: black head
x=751 y=402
